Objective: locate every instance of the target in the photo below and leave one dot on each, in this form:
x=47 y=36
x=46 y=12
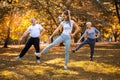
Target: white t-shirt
x=35 y=30
x=67 y=29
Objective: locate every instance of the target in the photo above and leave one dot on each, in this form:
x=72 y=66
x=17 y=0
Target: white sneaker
x=38 y=61
x=65 y=67
x=18 y=58
x=37 y=54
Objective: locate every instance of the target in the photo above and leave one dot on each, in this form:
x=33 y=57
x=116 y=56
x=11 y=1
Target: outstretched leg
x=27 y=46
x=58 y=40
x=81 y=45
x=25 y=49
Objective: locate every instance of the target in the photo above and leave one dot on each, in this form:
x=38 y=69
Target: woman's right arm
x=82 y=37
x=58 y=28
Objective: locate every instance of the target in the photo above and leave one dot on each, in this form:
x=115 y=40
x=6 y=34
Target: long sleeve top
x=91 y=33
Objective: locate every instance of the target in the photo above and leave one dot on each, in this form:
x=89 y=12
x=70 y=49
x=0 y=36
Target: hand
x=95 y=37
x=50 y=38
x=72 y=35
x=78 y=42
x=48 y=41
x=20 y=40
x=40 y=37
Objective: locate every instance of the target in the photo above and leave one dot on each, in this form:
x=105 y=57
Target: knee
x=51 y=45
x=67 y=53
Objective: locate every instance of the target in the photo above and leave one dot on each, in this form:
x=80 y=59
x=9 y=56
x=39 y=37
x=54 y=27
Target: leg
x=67 y=47
x=79 y=46
x=37 y=47
x=27 y=46
x=92 y=45
x=58 y=40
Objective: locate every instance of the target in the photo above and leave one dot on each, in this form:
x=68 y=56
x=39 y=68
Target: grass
x=106 y=64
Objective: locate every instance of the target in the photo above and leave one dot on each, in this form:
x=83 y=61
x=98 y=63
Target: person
x=92 y=34
x=34 y=32
x=67 y=24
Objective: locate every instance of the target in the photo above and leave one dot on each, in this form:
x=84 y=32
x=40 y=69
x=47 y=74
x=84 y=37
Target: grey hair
x=32 y=19
x=89 y=23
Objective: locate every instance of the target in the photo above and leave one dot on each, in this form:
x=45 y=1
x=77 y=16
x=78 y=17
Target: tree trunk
x=115 y=36
x=8 y=33
x=7 y=39
x=117 y=8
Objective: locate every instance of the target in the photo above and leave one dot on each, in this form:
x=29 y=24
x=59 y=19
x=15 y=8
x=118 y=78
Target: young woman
x=34 y=31
x=92 y=33
x=67 y=24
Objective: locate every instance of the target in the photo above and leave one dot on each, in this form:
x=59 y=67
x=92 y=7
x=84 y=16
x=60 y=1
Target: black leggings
x=31 y=41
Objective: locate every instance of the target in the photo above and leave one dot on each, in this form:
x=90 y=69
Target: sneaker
x=91 y=59
x=18 y=58
x=37 y=54
x=65 y=67
x=73 y=51
x=38 y=61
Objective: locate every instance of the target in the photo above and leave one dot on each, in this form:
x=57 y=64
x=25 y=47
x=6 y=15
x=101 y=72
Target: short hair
x=89 y=23
x=32 y=19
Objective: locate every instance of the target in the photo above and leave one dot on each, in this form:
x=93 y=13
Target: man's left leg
x=37 y=48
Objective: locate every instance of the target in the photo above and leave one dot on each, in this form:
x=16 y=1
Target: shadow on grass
x=104 y=67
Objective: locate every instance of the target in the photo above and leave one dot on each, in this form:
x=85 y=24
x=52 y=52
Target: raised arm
x=24 y=34
x=56 y=30
x=82 y=36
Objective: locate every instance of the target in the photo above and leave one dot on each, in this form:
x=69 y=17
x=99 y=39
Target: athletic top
x=35 y=30
x=67 y=28
x=91 y=33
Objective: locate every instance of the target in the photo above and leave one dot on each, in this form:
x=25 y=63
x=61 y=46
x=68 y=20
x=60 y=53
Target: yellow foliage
x=10 y=74
x=96 y=67
x=13 y=1
x=106 y=35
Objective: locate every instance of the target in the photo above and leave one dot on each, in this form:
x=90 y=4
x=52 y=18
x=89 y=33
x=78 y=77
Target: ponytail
x=69 y=17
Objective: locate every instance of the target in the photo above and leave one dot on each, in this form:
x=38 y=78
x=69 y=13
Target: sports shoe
x=18 y=58
x=73 y=51
x=65 y=67
x=38 y=61
x=37 y=54
x=91 y=59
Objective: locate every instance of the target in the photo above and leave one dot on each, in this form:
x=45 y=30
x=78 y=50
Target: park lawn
x=106 y=64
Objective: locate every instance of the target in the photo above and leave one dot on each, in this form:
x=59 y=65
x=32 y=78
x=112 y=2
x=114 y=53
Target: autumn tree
x=14 y=17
